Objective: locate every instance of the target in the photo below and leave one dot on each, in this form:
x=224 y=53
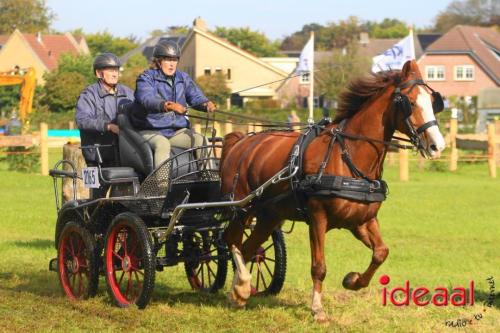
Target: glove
x=176 y=107
x=211 y=106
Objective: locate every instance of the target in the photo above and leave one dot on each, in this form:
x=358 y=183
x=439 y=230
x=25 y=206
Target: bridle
x=403 y=105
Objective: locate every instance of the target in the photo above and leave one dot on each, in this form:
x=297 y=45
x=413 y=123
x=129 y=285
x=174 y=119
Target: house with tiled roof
x=39 y=51
x=204 y=53
x=463 y=61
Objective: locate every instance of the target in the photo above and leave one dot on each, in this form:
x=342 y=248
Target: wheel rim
x=204 y=272
x=124 y=264
x=262 y=266
x=74 y=265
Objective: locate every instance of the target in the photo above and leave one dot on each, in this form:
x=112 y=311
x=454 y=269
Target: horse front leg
x=317 y=232
x=240 y=287
x=369 y=234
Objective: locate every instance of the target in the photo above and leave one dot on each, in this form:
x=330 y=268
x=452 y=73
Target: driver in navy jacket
x=165 y=92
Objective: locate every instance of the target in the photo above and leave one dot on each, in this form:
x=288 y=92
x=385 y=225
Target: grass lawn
x=442 y=230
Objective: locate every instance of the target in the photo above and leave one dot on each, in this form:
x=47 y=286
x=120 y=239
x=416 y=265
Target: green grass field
x=442 y=230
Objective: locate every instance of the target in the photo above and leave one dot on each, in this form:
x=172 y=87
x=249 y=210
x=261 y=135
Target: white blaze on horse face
x=436 y=142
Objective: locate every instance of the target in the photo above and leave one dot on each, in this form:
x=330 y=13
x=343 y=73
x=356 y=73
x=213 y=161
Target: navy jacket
x=153 y=90
x=95 y=109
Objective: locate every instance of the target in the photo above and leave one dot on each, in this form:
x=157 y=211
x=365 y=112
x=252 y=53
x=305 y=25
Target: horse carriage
x=152 y=219
x=329 y=176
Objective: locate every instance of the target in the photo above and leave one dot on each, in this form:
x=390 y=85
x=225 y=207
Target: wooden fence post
x=217 y=129
x=71 y=124
x=258 y=127
x=228 y=127
x=453 y=144
x=44 y=149
x=491 y=150
x=404 y=173
x=197 y=128
x=250 y=128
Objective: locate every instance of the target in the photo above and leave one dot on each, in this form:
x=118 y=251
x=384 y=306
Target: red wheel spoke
x=117 y=255
x=262 y=275
x=128 y=284
x=258 y=277
x=80 y=284
x=121 y=278
x=267 y=267
x=72 y=249
x=80 y=244
x=267 y=248
x=124 y=242
x=251 y=267
x=211 y=270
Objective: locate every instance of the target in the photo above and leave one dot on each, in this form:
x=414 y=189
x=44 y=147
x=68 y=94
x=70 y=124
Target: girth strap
x=345 y=187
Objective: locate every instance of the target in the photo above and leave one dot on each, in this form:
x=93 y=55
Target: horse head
x=415 y=104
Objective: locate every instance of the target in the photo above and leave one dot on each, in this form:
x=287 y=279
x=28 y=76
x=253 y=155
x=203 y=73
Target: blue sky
x=276 y=18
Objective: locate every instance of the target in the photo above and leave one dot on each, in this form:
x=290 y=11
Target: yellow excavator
x=27 y=79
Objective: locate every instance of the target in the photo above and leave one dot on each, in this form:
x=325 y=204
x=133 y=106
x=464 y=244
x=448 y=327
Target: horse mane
x=361 y=89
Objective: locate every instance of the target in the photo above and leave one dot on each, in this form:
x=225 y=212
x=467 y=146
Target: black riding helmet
x=166 y=49
x=106 y=60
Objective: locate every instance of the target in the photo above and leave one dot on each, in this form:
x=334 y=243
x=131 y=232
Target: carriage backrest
x=135 y=152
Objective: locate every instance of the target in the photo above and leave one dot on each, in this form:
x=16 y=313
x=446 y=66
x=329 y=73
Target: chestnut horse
x=370 y=111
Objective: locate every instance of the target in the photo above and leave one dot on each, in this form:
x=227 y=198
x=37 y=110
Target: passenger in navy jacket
x=164 y=92
x=97 y=107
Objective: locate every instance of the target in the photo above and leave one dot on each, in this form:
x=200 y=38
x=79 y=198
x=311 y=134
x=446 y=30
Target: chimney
x=39 y=37
x=199 y=23
x=364 y=39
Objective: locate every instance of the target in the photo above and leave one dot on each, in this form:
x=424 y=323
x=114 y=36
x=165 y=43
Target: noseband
x=403 y=105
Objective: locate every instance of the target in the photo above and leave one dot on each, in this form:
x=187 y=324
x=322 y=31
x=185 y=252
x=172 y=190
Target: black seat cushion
x=118 y=172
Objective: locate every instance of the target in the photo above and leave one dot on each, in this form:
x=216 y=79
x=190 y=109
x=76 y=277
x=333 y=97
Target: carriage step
x=53 y=265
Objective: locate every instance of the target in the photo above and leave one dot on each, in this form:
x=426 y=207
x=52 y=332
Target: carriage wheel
x=77 y=262
x=268 y=265
x=206 y=260
x=130 y=261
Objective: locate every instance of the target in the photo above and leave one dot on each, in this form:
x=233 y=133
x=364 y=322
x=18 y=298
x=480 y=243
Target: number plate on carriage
x=90 y=177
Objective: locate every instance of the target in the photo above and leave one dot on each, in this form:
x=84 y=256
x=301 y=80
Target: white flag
x=396 y=56
x=306 y=60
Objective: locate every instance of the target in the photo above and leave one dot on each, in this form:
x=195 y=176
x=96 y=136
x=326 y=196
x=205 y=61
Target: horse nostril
x=434 y=147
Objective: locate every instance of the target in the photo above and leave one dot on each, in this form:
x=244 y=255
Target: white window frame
x=305 y=78
x=437 y=69
x=464 y=68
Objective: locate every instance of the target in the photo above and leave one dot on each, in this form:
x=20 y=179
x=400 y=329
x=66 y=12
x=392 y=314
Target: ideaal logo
x=422 y=296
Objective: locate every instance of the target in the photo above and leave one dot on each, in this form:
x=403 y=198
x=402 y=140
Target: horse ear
x=406 y=69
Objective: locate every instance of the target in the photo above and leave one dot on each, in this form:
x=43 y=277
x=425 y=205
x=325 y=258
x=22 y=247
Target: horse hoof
x=351 y=281
x=320 y=317
x=235 y=301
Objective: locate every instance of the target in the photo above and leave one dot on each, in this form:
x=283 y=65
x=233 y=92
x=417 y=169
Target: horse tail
x=229 y=141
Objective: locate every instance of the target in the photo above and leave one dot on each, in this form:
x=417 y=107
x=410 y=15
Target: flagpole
x=310 y=120
x=412 y=42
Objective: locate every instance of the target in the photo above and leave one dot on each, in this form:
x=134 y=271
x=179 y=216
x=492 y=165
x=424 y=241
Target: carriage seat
x=136 y=153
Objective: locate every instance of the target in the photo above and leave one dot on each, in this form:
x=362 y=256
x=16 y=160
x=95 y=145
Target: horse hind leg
x=369 y=234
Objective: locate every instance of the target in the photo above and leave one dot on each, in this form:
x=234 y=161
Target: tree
x=214 y=87
x=62 y=89
x=105 y=42
x=135 y=65
x=252 y=41
x=335 y=72
x=468 y=12
x=173 y=30
x=388 y=28
x=298 y=39
x=81 y=64
x=26 y=15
